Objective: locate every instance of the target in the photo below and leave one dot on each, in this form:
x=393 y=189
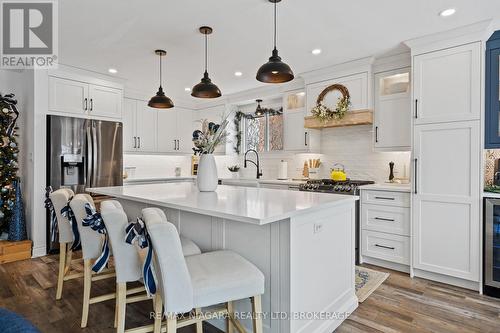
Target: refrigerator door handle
x=94 y=155
x=89 y=173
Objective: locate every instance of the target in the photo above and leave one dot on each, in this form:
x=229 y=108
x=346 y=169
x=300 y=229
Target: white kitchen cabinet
x=392 y=115
x=185 y=127
x=447 y=84
x=129 y=125
x=296 y=138
x=105 y=101
x=446 y=198
x=358 y=87
x=385 y=228
x=68 y=96
x=139 y=127
x=147 y=120
x=175 y=130
x=84 y=99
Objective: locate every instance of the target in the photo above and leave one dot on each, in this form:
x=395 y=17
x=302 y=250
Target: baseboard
x=472 y=285
x=39 y=252
x=386 y=264
x=348 y=307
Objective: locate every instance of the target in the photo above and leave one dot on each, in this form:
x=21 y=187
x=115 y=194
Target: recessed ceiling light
x=112 y=71
x=447 y=12
x=316 y=51
x=238 y=73
x=187 y=89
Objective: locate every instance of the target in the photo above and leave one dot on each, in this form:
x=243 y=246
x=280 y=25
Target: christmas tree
x=9 y=151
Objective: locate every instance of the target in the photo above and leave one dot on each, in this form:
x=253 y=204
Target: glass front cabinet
x=492 y=125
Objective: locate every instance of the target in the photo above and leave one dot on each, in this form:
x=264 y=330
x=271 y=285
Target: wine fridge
x=491 y=253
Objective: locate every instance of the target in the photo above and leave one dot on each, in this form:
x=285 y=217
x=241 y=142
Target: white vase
x=207 y=179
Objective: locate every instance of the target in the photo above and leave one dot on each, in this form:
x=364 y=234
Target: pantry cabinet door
x=185 y=128
x=446 y=199
x=447 y=85
x=68 y=96
x=294 y=135
x=147 y=119
x=129 y=125
x=167 y=131
x=105 y=102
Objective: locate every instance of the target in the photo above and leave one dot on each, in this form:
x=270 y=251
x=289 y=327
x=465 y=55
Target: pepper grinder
x=391 y=172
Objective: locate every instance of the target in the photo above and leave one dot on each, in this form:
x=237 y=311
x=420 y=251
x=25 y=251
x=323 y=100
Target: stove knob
x=337 y=188
x=348 y=188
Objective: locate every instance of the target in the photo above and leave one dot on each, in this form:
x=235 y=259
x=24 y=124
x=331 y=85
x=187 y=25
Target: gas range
x=333 y=186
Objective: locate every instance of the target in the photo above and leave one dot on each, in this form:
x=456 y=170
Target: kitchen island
x=303 y=242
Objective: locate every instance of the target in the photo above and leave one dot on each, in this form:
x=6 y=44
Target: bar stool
x=127 y=262
x=59 y=200
x=92 y=242
x=187 y=283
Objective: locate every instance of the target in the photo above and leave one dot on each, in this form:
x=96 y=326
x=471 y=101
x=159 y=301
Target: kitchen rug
x=367 y=281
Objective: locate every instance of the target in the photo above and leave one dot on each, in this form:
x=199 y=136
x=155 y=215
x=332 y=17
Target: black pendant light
x=160 y=101
x=275 y=70
x=259 y=111
x=206 y=89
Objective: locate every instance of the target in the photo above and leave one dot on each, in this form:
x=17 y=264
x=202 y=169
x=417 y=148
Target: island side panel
x=322 y=268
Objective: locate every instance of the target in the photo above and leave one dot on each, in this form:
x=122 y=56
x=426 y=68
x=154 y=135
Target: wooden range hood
x=351 y=118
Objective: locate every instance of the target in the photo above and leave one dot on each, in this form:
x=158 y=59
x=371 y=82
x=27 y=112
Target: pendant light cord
x=160 y=71
x=275 y=25
x=206 y=53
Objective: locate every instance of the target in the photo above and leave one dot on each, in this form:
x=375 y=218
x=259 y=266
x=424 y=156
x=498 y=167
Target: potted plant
x=205 y=142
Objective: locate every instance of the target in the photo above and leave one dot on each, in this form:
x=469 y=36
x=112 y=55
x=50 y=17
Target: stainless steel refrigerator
x=82 y=153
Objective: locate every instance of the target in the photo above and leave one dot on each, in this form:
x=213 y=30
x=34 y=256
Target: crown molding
x=339 y=70
x=462 y=35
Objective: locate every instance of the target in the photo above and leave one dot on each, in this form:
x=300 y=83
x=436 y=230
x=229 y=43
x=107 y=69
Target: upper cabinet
x=392 y=115
x=296 y=138
x=492 y=113
x=84 y=99
x=357 y=84
x=447 y=84
x=152 y=130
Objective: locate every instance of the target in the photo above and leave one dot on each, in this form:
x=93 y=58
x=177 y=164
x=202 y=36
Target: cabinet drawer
x=384 y=246
x=387 y=198
x=393 y=220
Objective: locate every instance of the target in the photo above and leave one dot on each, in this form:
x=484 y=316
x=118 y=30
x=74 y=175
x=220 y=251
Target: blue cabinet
x=492 y=116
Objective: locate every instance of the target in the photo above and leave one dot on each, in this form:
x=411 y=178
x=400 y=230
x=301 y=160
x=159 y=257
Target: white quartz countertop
x=245 y=204
x=230 y=181
x=387 y=187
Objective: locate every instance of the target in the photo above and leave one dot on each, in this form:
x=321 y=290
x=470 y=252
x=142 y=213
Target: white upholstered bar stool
x=128 y=264
x=91 y=249
x=197 y=281
x=60 y=199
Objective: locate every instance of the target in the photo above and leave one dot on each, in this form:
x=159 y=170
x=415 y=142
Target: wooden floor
x=401 y=304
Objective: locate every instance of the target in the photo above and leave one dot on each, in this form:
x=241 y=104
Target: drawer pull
x=384 y=219
x=385 y=247
x=384 y=198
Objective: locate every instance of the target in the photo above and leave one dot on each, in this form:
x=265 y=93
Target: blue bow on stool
x=96 y=223
x=53 y=218
x=68 y=213
x=137 y=232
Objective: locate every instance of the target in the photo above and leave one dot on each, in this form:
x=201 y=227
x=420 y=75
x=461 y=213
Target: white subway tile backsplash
x=350 y=146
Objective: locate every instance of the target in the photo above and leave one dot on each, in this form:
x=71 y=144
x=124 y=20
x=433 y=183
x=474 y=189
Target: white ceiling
x=122 y=34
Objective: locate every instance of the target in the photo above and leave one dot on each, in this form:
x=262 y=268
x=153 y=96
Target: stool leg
x=257 y=314
x=199 y=323
x=87 y=282
x=121 y=295
x=69 y=257
x=158 y=312
x=229 y=323
x=62 y=266
x=171 y=323
x=117 y=305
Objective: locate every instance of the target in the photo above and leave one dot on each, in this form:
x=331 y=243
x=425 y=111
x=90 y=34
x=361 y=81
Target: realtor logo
x=29 y=34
